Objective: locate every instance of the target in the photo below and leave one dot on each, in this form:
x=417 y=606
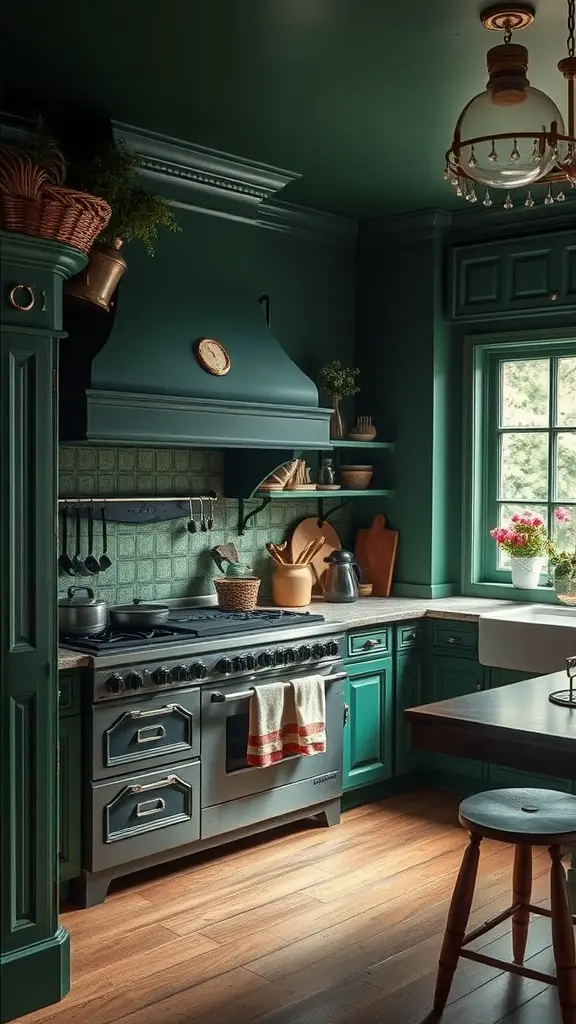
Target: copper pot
x=100 y=278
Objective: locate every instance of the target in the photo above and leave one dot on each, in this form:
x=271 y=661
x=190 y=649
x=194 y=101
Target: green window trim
x=481 y=576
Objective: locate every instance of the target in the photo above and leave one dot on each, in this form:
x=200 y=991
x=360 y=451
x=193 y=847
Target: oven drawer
x=141 y=734
x=142 y=815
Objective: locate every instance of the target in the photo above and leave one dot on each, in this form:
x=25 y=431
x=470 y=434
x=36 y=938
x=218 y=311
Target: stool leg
x=563 y=937
x=457 y=921
x=521 y=893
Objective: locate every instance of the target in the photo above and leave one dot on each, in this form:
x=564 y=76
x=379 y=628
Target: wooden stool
x=527 y=818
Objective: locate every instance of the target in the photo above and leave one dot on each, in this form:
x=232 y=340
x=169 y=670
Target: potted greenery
x=526 y=542
x=563 y=563
x=340 y=382
x=137 y=216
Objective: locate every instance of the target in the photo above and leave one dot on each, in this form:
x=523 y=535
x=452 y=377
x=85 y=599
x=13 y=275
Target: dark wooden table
x=513 y=725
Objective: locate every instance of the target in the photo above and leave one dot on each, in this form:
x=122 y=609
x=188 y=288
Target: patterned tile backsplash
x=162 y=560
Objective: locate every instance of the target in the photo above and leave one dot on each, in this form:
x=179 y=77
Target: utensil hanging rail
x=140 y=509
x=141 y=498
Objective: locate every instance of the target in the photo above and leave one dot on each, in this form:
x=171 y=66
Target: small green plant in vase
x=137 y=216
x=340 y=382
x=563 y=562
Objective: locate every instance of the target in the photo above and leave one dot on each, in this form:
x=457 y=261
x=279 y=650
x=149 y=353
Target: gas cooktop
x=188 y=624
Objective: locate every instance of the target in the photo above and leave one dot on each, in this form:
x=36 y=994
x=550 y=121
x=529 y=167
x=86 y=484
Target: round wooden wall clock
x=212 y=356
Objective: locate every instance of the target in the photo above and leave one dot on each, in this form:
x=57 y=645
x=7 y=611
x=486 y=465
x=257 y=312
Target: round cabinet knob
x=115 y=683
x=178 y=673
x=162 y=675
x=554 y=296
x=135 y=681
x=250 y=662
x=304 y=653
x=289 y=656
x=318 y=650
x=198 y=670
x=332 y=648
x=239 y=664
x=265 y=659
x=224 y=666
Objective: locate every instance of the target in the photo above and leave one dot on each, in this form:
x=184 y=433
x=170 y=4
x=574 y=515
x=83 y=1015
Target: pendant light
x=512 y=135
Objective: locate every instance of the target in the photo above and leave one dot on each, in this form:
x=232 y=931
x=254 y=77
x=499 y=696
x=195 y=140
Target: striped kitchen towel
x=268 y=709
x=310 y=703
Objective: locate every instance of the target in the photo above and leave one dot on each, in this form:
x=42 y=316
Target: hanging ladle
x=203 y=525
x=78 y=563
x=211 y=516
x=65 y=562
x=92 y=564
x=105 y=561
x=192 y=525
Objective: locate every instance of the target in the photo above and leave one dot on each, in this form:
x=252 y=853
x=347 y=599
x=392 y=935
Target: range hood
x=131 y=376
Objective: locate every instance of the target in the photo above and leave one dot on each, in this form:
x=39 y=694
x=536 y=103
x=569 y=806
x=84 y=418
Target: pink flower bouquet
x=524 y=537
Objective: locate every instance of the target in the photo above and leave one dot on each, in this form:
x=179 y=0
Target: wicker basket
x=237 y=595
x=31 y=203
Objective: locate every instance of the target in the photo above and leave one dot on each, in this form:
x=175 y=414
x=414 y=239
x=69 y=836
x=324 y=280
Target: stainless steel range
x=166 y=727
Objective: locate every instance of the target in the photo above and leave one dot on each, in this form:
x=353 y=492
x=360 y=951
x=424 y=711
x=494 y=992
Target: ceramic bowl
x=365 y=589
x=356 y=478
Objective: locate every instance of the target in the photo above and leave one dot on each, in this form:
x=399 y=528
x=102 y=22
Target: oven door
x=226 y=774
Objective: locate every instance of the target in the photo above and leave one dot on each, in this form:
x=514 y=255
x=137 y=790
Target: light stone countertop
x=367 y=611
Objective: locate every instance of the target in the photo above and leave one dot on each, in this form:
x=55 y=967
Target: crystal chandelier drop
x=512 y=135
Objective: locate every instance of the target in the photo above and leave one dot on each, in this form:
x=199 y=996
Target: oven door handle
x=154 y=712
x=223 y=698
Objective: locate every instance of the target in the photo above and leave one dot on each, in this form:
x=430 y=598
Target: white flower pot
x=526 y=572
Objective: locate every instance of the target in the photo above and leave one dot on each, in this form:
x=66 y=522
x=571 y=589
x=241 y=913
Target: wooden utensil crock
x=292 y=586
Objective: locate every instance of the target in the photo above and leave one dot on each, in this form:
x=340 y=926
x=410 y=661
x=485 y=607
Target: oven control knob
x=162 y=675
x=197 y=671
x=224 y=666
x=304 y=653
x=265 y=659
x=239 y=664
x=115 y=683
x=250 y=662
x=178 y=674
x=318 y=651
x=278 y=658
x=332 y=648
x=135 y=681
x=290 y=656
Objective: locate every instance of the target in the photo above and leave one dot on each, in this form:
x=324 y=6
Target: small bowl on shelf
x=356 y=478
x=363 y=438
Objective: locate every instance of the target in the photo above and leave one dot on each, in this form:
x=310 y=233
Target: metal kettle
x=342 y=577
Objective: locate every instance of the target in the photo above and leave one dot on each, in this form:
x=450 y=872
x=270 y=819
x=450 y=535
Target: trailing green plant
x=337 y=379
x=563 y=562
x=137 y=215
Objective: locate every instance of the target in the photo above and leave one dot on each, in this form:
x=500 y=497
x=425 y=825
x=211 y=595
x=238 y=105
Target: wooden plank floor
x=306 y=926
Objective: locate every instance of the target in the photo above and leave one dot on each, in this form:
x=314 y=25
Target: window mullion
x=552 y=439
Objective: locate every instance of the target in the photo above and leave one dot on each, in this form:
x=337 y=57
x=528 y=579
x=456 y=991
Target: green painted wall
x=162 y=560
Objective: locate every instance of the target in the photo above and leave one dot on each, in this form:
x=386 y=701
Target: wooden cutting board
x=307 y=531
x=376 y=555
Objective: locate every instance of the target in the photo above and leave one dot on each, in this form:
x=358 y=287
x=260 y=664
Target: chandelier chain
x=571 y=27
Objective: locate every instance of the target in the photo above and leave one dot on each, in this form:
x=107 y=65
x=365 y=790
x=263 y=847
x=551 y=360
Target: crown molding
x=403 y=228
x=309 y=223
x=477 y=224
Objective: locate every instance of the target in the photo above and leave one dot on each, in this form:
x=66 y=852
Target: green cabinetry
x=447 y=677
x=34 y=950
x=368 y=733
x=69 y=776
x=514 y=278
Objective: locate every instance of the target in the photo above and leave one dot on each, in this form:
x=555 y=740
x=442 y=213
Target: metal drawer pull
x=154 y=712
x=168 y=781
x=370 y=644
x=223 y=698
x=454 y=639
x=148 y=807
x=411 y=636
x=22 y=305
x=151 y=734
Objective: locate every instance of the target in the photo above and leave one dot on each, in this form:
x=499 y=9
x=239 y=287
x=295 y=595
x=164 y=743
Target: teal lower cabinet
x=369 y=731
x=408 y=693
x=446 y=677
x=69 y=775
x=501 y=777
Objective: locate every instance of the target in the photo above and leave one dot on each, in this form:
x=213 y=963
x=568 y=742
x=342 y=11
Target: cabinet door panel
x=408 y=695
x=368 y=733
x=453 y=677
x=530 y=278
x=69 y=793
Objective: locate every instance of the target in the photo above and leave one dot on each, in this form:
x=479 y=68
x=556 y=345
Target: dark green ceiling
x=359 y=96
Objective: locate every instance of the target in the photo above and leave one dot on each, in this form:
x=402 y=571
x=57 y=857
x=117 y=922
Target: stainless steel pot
x=138 y=615
x=77 y=615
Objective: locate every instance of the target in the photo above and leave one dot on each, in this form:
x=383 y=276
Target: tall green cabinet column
x=34 y=950
x=406 y=364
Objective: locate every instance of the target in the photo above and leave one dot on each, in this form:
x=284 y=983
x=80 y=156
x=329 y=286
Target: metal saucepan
x=138 y=615
x=81 y=615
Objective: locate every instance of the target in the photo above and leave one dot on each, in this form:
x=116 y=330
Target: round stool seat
x=540 y=817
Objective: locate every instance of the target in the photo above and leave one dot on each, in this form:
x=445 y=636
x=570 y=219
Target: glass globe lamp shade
x=512 y=162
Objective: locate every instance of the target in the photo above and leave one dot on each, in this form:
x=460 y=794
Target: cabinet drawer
x=144 y=814
x=68 y=693
x=457 y=638
x=407 y=635
x=371 y=644
x=135 y=736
